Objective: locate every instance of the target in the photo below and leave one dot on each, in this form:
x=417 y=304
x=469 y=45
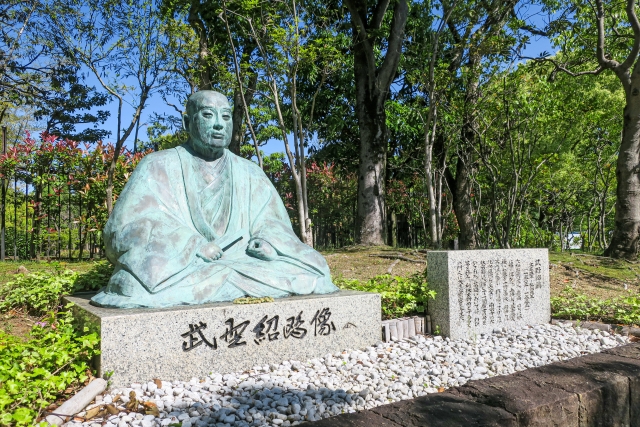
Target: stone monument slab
x=480 y=290
x=182 y=342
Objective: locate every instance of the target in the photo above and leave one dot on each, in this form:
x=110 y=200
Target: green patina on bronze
x=198 y=224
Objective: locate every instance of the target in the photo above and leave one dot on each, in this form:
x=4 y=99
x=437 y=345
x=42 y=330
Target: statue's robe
x=172 y=205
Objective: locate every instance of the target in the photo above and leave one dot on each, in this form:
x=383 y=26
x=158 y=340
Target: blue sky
x=156 y=104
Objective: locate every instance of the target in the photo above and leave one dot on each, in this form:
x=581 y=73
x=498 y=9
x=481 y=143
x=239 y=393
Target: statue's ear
x=185 y=122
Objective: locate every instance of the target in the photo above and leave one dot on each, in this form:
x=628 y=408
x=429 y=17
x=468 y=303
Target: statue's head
x=208 y=121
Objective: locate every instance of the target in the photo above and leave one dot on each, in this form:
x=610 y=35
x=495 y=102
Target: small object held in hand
x=231 y=244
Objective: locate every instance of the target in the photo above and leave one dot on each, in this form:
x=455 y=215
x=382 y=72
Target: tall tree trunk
x=203 y=45
x=625 y=242
x=370 y=219
x=465 y=165
x=462 y=202
x=306 y=232
x=238 y=113
x=429 y=174
x=372 y=89
x=394 y=229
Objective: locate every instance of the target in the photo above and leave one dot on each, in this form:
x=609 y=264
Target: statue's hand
x=210 y=252
x=261 y=249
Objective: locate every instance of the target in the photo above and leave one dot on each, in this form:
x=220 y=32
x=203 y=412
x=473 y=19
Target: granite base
x=183 y=342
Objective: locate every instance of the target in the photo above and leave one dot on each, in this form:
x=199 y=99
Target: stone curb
x=600 y=389
x=607 y=327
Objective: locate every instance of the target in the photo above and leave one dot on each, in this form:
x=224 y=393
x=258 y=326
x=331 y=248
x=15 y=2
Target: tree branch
x=394 y=49
x=362 y=36
x=635 y=25
x=600 y=56
x=378 y=14
x=236 y=66
x=560 y=67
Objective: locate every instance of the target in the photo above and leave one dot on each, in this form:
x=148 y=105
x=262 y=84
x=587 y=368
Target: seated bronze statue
x=197 y=224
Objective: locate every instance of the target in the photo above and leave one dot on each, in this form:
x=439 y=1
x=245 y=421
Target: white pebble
x=298 y=391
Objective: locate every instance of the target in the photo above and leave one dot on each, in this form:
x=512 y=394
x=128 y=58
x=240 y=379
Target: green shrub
x=38 y=293
x=95 y=278
x=35 y=373
x=574 y=306
x=399 y=295
x=41 y=292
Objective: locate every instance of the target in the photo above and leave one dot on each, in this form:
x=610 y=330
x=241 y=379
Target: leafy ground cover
x=50 y=365
x=624 y=309
x=9 y=269
x=400 y=296
x=43 y=358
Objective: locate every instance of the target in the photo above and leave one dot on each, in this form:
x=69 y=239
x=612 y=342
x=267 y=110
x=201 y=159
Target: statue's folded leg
x=276 y=278
x=207 y=284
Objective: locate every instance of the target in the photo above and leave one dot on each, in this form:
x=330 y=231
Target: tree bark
x=462 y=202
x=237 y=133
x=429 y=173
x=372 y=89
x=203 y=44
x=625 y=241
x=465 y=166
x=626 y=234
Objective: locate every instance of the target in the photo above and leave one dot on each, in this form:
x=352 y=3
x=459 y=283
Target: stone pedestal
x=480 y=290
x=182 y=342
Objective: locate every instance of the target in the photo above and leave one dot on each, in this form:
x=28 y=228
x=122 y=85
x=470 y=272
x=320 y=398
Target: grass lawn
x=590 y=275
x=9 y=269
x=594 y=276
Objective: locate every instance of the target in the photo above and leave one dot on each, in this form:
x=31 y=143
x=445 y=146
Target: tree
x=288 y=37
x=480 y=37
x=424 y=44
x=609 y=32
x=224 y=61
x=372 y=91
x=123 y=45
x=68 y=104
x=23 y=70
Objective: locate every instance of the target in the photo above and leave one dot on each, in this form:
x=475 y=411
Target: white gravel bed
x=293 y=392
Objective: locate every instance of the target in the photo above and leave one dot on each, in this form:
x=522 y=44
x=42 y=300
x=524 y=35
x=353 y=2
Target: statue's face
x=210 y=125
